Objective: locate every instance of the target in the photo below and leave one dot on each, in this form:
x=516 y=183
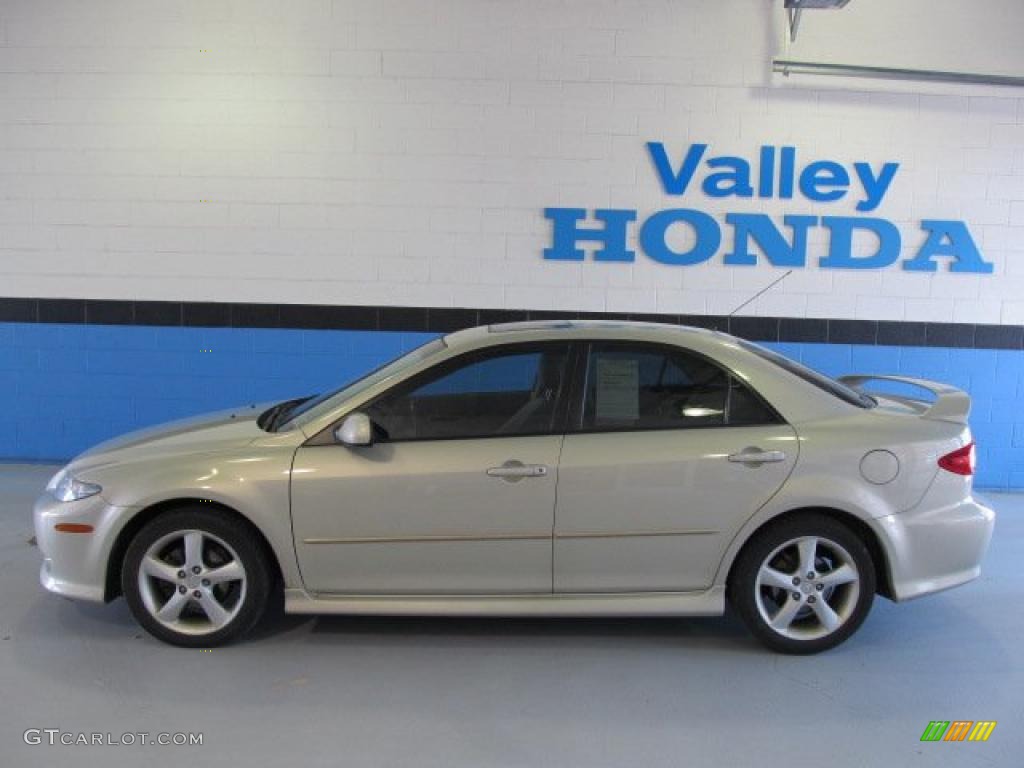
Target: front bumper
x=75 y=564
x=933 y=549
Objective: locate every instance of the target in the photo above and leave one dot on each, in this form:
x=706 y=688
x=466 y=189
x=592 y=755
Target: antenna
x=759 y=293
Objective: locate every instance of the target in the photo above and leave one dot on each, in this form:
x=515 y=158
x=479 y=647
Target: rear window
x=819 y=380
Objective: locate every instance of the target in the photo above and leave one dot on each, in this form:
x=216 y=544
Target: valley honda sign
x=775 y=174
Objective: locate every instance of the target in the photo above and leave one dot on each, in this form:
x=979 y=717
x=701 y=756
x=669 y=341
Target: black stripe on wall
x=431 y=319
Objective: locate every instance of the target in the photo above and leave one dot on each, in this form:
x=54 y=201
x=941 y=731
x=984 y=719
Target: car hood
x=197 y=434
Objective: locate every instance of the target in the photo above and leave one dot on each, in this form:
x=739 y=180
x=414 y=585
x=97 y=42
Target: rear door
x=666 y=455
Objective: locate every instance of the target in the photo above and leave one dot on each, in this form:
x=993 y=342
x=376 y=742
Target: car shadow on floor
x=95 y=621
x=915 y=625
x=720 y=631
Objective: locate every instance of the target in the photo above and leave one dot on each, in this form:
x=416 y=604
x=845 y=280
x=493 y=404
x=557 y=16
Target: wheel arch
x=115 y=562
x=862 y=529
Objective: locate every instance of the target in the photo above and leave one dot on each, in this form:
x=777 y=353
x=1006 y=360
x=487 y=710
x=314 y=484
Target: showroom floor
x=434 y=692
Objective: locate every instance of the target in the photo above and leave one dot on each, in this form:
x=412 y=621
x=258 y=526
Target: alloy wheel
x=807 y=588
x=192 y=582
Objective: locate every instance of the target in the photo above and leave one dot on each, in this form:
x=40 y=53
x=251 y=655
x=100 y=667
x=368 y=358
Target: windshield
x=820 y=380
x=313 y=409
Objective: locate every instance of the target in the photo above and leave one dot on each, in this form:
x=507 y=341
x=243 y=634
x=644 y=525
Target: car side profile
x=554 y=468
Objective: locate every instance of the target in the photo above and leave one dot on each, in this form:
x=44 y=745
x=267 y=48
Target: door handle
x=516 y=470
x=755 y=457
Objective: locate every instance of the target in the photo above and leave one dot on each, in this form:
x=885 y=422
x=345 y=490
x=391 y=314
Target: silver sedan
x=542 y=469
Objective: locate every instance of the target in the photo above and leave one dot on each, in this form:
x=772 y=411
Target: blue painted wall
x=66 y=387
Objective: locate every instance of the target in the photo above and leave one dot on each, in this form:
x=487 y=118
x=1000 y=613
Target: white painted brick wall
x=401 y=151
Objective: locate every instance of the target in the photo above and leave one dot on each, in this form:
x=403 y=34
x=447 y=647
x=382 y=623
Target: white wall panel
x=401 y=152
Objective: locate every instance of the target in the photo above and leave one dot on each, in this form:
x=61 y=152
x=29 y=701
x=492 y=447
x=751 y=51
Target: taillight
x=959 y=462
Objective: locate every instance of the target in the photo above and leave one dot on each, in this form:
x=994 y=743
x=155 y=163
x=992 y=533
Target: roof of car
x=576 y=328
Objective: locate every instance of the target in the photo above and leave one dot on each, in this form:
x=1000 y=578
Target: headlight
x=64 y=487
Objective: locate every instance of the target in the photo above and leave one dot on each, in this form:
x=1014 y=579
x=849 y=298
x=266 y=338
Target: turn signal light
x=959 y=462
x=73 y=528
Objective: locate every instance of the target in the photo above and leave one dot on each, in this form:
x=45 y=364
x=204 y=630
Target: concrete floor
x=434 y=692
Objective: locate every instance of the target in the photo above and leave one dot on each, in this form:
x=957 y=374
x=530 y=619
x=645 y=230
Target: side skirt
x=709 y=602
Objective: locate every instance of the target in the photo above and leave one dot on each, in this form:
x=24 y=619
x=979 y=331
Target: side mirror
x=355 y=430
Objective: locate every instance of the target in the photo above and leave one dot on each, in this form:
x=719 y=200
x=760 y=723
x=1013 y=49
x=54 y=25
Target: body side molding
x=710 y=602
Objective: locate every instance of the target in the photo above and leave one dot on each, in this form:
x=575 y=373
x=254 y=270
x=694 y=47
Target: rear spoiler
x=951 y=404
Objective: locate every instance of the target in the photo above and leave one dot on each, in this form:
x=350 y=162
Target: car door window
x=514 y=391
x=651 y=387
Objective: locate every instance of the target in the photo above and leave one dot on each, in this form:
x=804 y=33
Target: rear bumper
x=934 y=549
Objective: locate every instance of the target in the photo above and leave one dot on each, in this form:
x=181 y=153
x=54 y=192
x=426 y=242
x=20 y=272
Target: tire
x=784 y=608
x=196 y=578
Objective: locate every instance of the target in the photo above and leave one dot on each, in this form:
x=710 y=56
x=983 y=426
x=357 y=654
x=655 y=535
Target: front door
x=665 y=457
x=457 y=493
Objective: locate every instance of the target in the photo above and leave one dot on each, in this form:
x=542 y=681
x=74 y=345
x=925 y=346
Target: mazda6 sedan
x=536 y=469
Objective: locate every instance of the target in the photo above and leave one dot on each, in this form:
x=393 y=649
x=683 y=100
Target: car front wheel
x=803 y=584
x=196 y=578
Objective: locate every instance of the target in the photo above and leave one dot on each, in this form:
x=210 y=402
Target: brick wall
x=70 y=386
x=401 y=151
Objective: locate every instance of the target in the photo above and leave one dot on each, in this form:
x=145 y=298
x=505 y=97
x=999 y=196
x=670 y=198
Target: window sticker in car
x=618 y=390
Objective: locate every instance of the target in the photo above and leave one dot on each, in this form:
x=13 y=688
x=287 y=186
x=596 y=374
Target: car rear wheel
x=196 y=578
x=804 y=584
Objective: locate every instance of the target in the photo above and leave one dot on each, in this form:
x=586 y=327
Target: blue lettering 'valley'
x=776 y=174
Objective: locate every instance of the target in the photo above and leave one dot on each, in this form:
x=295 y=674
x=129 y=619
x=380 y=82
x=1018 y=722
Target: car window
x=819 y=380
x=316 y=407
x=513 y=391
x=649 y=387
